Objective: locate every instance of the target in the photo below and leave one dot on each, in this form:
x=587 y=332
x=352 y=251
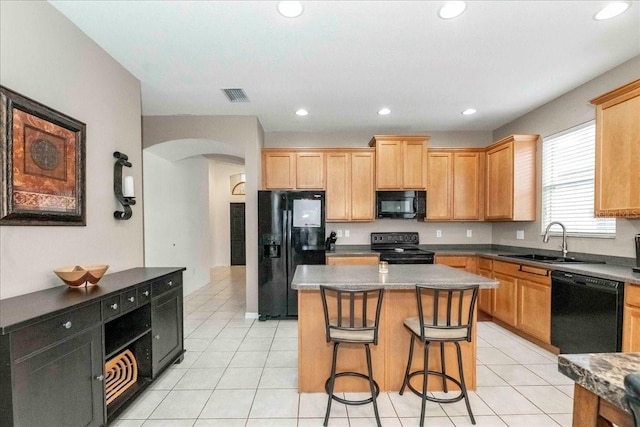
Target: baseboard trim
x=250 y=315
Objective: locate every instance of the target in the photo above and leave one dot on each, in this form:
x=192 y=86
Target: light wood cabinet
x=288 y=169
x=467 y=263
x=511 y=179
x=350 y=189
x=278 y=170
x=617 y=175
x=523 y=298
x=352 y=260
x=505 y=299
x=485 y=296
x=401 y=161
x=455 y=185
x=631 y=322
x=534 y=309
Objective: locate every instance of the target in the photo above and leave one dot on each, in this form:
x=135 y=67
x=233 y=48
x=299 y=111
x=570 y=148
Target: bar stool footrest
x=457 y=398
x=352 y=402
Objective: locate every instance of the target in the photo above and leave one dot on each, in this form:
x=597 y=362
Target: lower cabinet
x=631 y=322
x=353 y=260
x=505 y=299
x=523 y=299
x=166 y=331
x=467 y=263
x=485 y=296
x=534 y=309
x=61 y=386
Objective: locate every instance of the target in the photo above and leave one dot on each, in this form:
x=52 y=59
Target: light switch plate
x=520 y=234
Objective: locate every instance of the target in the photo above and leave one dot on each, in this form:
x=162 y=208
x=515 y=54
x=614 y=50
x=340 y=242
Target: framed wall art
x=43 y=164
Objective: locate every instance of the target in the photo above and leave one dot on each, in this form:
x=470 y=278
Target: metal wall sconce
x=124 y=194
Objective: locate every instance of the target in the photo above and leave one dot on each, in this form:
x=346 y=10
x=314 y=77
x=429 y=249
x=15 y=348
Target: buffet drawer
x=165 y=284
x=58 y=328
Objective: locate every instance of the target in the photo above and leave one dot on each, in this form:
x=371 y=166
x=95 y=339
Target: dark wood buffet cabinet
x=54 y=345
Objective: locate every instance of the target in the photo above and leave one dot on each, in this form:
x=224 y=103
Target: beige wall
x=562 y=113
x=219 y=199
x=180 y=137
x=45 y=57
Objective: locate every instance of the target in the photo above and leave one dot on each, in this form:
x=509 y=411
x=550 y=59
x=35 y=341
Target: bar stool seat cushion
x=452 y=332
x=346 y=332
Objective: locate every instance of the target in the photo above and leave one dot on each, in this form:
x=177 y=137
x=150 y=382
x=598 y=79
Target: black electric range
x=400 y=248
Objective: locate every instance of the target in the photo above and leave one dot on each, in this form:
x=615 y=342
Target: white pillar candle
x=127 y=187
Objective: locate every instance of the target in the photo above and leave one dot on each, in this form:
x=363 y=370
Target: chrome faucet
x=545 y=239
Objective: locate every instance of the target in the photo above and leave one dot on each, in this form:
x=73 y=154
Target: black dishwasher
x=586 y=313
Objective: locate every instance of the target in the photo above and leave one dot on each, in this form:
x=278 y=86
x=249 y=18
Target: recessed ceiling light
x=611 y=10
x=290 y=9
x=451 y=9
x=302 y=112
x=469 y=111
x=384 y=111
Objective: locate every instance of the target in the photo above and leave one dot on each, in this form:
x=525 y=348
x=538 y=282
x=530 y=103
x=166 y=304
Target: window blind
x=568 y=175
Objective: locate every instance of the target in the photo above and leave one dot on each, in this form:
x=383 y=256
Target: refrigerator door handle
x=288 y=225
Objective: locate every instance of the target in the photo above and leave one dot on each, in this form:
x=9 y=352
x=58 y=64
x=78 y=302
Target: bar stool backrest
x=445 y=313
x=351 y=315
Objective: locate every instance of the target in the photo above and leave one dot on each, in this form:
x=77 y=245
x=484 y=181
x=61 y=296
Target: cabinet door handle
x=146 y=293
x=131 y=299
x=100 y=377
x=67 y=324
x=170 y=283
x=157 y=337
x=114 y=306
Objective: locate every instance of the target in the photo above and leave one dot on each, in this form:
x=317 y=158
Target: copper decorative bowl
x=81 y=275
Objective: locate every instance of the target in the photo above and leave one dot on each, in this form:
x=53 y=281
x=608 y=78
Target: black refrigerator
x=290 y=233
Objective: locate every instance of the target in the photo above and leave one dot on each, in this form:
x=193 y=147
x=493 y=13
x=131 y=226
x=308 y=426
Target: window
x=568 y=171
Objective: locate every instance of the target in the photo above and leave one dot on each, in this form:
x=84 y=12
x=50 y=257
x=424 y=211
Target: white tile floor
x=243 y=373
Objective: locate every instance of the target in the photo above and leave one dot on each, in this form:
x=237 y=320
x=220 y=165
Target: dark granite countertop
x=19 y=311
x=615 y=268
x=601 y=373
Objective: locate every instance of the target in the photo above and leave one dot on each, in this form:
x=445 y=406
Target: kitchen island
x=389 y=357
x=599 y=391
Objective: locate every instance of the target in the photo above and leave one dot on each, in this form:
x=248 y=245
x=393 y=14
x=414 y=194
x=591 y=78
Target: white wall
x=176 y=216
x=562 y=113
x=45 y=57
x=219 y=199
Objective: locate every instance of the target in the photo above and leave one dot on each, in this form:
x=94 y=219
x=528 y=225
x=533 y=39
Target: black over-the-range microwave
x=401 y=204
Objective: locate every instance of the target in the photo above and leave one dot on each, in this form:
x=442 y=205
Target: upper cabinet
x=617 y=177
x=401 y=161
x=350 y=185
x=511 y=179
x=455 y=184
x=287 y=169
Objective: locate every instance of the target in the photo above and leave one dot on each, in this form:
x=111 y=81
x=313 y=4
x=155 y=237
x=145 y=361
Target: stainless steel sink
x=552 y=259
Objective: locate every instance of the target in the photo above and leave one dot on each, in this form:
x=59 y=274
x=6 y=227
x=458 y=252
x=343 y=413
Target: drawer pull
x=100 y=377
x=170 y=283
x=146 y=293
x=67 y=324
x=114 y=306
x=131 y=299
x=157 y=337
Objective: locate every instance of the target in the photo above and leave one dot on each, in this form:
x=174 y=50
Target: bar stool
x=632 y=387
x=351 y=316
x=445 y=315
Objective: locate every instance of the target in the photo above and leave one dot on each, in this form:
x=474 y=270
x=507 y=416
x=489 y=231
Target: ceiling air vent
x=236 y=95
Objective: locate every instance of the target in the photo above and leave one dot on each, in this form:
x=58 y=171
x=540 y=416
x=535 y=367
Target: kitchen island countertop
x=400 y=276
